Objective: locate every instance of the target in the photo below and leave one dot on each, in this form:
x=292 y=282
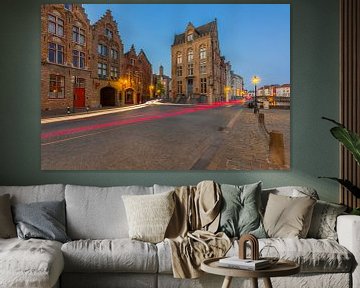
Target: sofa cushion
x=36 y=193
x=98 y=213
x=287 y=216
x=149 y=215
x=323 y=222
x=291 y=191
x=240 y=210
x=7 y=226
x=30 y=263
x=117 y=255
x=43 y=220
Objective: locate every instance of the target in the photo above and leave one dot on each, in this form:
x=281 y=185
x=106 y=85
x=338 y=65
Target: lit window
x=55 y=25
x=190 y=37
x=102 y=50
x=202 y=52
x=179 y=58
x=190 y=55
x=114 y=73
x=56 y=86
x=56 y=53
x=102 y=70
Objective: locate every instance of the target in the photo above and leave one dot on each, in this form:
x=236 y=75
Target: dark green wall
x=314 y=79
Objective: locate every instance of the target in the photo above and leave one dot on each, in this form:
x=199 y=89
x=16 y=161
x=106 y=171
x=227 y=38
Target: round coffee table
x=281 y=268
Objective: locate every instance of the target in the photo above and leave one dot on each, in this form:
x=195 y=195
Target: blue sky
x=255 y=38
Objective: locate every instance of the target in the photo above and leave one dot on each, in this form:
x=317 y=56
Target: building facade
x=83 y=66
x=161 y=84
x=237 y=86
x=136 y=77
x=66 y=45
x=197 y=68
x=107 y=55
x=283 y=90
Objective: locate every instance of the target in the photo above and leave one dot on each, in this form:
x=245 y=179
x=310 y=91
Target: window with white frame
x=56 y=86
x=179 y=71
x=78 y=59
x=190 y=37
x=56 y=53
x=102 y=49
x=179 y=58
x=78 y=35
x=190 y=55
x=55 y=25
x=202 y=52
x=102 y=70
x=190 y=69
x=114 y=54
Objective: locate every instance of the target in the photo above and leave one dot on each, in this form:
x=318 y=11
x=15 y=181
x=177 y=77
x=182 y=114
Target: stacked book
x=248 y=264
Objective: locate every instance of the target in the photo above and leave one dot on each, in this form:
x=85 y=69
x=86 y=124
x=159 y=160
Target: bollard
x=68 y=110
x=261 y=118
x=276 y=148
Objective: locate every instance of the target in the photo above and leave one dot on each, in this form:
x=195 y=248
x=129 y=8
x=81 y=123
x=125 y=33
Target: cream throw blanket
x=191 y=231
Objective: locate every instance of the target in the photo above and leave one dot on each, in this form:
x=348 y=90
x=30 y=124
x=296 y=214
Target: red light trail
x=197 y=108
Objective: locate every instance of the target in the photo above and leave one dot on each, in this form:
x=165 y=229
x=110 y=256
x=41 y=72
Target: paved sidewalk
x=247 y=144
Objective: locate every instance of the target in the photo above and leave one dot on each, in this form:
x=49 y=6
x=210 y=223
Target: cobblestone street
x=246 y=145
x=165 y=137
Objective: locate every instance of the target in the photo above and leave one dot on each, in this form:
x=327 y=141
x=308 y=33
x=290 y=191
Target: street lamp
x=255 y=80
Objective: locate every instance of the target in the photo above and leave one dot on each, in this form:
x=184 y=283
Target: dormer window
x=190 y=37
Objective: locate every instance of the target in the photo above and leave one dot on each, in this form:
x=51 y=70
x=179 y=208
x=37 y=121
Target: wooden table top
x=281 y=268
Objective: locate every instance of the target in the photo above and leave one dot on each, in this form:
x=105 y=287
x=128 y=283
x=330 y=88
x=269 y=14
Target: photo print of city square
x=165 y=87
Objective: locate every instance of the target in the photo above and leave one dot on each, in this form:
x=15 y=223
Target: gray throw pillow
x=323 y=222
x=44 y=220
x=240 y=213
x=7 y=226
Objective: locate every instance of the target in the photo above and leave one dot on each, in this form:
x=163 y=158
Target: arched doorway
x=129 y=96
x=107 y=96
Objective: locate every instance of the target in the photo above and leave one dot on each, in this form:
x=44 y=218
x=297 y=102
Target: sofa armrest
x=348 y=230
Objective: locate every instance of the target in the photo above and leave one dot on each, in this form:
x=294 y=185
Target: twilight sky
x=255 y=38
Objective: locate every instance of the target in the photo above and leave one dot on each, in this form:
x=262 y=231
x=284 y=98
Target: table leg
x=254 y=282
x=227 y=282
x=267 y=283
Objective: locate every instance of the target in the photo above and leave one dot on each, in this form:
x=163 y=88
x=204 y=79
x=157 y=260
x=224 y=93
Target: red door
x=79 y=97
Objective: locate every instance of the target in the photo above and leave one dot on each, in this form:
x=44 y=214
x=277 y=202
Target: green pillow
x=240 y=212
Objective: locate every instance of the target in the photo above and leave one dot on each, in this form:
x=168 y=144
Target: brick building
x=84 y=65
x=161 y=83
x=197 y=68
x=107 y=54
x=65 y=57
x=136 y=77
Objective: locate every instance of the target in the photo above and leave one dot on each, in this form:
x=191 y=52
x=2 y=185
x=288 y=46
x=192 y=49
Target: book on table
x=249 y=264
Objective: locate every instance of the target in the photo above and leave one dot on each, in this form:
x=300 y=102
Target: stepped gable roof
x=142 y=53
x=132 y=49
x=200 y=31
x=109 y=17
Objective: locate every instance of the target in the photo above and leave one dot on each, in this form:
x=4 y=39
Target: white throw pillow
x=149 y=215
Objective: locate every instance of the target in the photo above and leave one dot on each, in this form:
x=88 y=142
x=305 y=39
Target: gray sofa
x=101 y=254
